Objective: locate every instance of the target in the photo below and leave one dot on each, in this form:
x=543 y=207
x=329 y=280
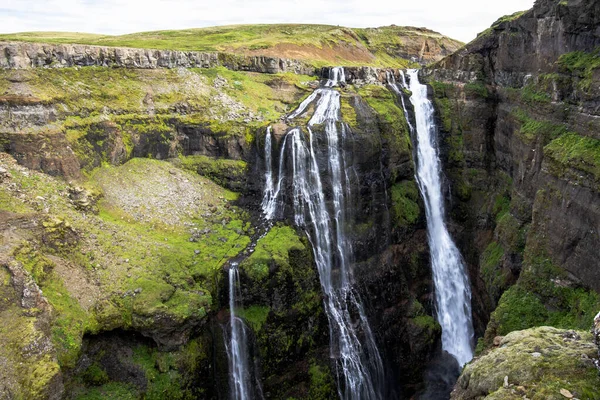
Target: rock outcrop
x=18 y=55
x=536 y=363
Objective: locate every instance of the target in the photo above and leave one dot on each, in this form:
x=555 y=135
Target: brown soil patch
x=335 y=53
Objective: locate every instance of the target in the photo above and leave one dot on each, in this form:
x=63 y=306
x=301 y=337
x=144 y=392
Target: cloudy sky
x=460 y=19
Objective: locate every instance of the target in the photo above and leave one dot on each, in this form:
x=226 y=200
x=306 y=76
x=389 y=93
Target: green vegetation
x=322 y=386
x=476 y=89
x=578 y=152
x=405 y=203
x=390 y=119
x=543 y=297
x=126 y=267
x=111 y=390
x=274 y=247
x=227 y=173
x=318 y=44
x=531 y=128
x=581 y=65
x=537 y=363
x=254 y=315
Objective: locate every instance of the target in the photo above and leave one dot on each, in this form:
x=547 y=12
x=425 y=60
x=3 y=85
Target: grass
x=577 y=152
x=319 y=44
x=582 y=65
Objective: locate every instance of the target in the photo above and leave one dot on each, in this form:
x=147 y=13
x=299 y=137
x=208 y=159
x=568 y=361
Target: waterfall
x=240 y=373
x=452 y=289
x=322 y=214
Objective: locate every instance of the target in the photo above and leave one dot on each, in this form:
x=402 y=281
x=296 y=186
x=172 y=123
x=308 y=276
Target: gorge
x=215 y=221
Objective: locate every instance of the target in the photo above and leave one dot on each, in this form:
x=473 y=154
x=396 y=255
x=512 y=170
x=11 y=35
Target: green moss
x=256 y=316
x=11 y=204
x=71 y=321
x=510 y=233
x=517 y=310
x=348 y=112
x=531 y=128
x=532 y=96
x=542 y=296
x=476 y=89
x=390 y=118
x=164 y=380
x=578 y=152
x=95 y=375
x=490 y=269
x=322 y=386
x=561 y=362
x=405 y=206
x=112 y=390
x=274 y=247
x=426 y=322
x=220 y=171
x=582 y=65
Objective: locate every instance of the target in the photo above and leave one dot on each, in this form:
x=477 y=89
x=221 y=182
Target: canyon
x=141 y=188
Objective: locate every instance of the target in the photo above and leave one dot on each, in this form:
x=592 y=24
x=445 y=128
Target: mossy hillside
x=572 y=152
x=89 y=91
x=538 y=362
x=272 y=250
x=24 y=373
x=131 y=271
x=317 y=44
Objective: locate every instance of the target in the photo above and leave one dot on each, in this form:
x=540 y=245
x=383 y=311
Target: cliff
x=15 y=55
x=141 y=183
x=518 y=118
x=318 y=45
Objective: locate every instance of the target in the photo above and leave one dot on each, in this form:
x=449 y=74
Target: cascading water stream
x=240 y=373
x=452 y=289
x=360 y=369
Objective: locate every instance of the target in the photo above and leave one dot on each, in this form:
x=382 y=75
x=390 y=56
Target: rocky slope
x=116 y=228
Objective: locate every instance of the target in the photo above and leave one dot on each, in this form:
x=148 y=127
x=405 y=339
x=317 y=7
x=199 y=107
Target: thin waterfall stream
x=243 y=385
x=319 y=187
x=451 y=280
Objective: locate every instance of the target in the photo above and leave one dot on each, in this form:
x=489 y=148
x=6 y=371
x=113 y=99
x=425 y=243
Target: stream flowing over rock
x=207 y=225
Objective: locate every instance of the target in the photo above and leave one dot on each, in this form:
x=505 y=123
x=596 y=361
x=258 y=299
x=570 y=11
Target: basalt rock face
x=518 y=117
x=16 y=55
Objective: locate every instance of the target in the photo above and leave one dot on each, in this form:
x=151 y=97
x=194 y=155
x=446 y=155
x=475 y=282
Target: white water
x=352 y=346
x=452 y=289
x=237 y=351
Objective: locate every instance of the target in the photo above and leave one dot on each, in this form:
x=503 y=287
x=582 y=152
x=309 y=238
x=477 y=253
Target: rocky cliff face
x=18 y=55
x=519 y=126
x=131 y=142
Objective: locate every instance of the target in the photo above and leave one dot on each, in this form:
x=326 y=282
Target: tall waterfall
x=452 y=289
x=241 y=385
x=322 y=214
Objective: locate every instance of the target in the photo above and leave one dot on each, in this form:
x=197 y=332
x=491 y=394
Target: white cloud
x=460 y=19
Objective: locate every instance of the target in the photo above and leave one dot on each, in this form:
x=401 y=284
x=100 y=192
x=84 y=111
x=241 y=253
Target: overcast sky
x=459 y=19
